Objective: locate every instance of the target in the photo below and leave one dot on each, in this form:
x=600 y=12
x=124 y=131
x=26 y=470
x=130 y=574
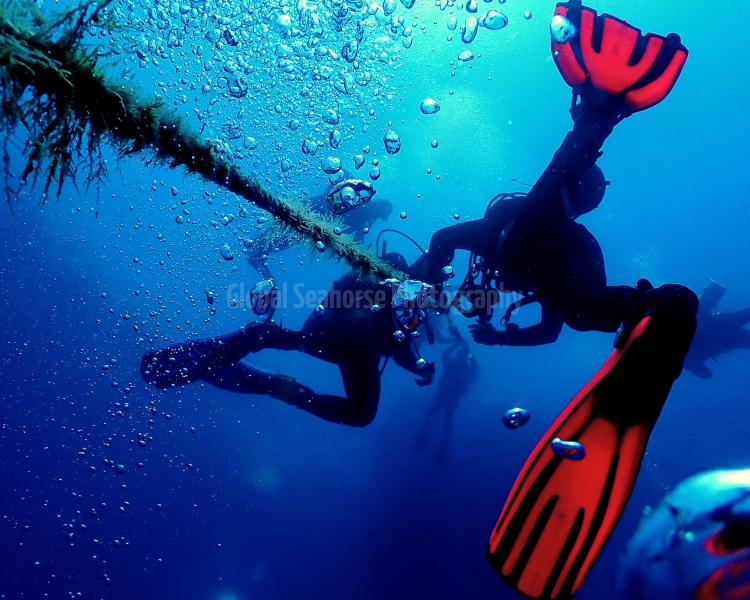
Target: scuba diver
x=356 y=216
x=717 y=332
x=532 y=244
x=459 y=369
x=574 y=487
x=358 y=324
x=357 y=221
x=352 y=201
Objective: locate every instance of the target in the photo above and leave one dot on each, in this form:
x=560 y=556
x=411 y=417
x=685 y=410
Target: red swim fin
x=617 y=58
x=560 y=513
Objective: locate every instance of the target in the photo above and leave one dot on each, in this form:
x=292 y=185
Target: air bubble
x=429 y=106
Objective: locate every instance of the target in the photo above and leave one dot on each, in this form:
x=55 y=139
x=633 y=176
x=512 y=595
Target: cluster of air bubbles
x=287 y=77
x=492 y=20
x=331 y=165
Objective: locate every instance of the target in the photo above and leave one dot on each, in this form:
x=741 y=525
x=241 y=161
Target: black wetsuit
x=544 y=251
x=362 y=217
x=482 y=237
x=347 y=334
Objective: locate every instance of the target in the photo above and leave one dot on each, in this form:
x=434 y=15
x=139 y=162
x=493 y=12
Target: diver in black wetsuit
x=459 y=368
x=561 y=512
x=364 y=217
x=347 y=333
x=533 y=245
x=717 y=332
x=355 y=222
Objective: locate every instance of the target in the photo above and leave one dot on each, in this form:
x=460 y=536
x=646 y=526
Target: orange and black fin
x=616 y=58
x=561 y=512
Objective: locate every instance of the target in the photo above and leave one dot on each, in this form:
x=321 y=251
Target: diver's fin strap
x=617 y=58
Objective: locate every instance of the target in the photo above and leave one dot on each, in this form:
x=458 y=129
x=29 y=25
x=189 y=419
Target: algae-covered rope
x=51 y=86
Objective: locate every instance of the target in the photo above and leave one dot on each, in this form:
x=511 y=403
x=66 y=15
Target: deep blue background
x=304 y=508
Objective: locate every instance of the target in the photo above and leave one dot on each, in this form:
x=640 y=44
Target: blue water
x=264 y=501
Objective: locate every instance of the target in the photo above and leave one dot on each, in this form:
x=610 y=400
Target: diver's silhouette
x=717 y=332
x=459 y=369
x=573 y=488
x=350 y=335
x=355 y=222
x=532 y=244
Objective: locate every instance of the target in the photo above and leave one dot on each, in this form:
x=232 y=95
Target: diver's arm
x=407 y=358
x=445 y=242
x=536 y=335
x=545 y=332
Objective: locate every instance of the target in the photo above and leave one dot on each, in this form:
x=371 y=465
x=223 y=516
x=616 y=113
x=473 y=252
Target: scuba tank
x=482 y=274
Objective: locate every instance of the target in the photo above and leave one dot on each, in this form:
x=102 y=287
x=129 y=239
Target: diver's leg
x=442 y=452
x=361 y=380
x=739 y=318
x=743 y=339
x=603 y=309
x=189 y=361
x=697 y=368
x=607 y=308
x=423 y=435
x=357 y=409
x=242 y=378
x=269 y=336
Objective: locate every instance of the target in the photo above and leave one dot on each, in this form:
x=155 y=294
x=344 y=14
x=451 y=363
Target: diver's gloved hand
x=428 y=375
x=485 y=333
